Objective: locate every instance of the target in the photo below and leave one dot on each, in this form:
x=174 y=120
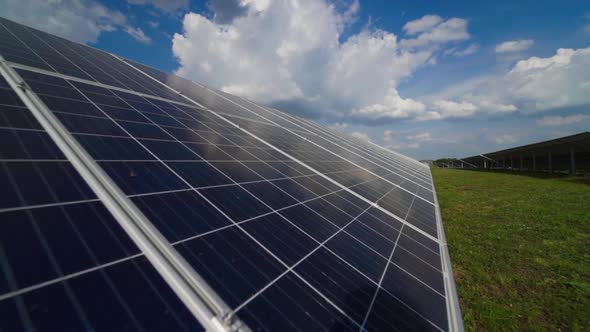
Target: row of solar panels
x=137 y=200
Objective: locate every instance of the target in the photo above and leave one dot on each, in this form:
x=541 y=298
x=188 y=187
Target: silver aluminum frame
x=453 y=309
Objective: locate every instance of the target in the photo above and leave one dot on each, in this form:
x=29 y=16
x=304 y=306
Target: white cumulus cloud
x=164 y=5
x=291 y=55
x=532 y=85
x=422 y=24
x=505 y=139
x=79 y=20
x=461 y=52
x=414 y=139
x=454 y=29
x=403 y=146
x=340 y=126
x=562 y=120
x=452 y=109
x=388 y=135
x=514 y=46
x=490 y=106
x=422 y=137
x=558 y=81
x=393 y=107
x=138 y=35
x=360 y=135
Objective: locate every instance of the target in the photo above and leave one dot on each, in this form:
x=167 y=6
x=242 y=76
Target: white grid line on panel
x=69 y=276
x=269 y=213
x=109 y=194
x=34 y=160
x=266 y=249
x=413 y=277
x=321 y=147
x=243 y=147
x=381 y=279
x=358 y=143
x=384 y=157
x=352 y=144
x=385 y=269
x=322 y=245
x=398 y=169
x=283 y=117
x=399 y=155
x=37 y=206
x=364 y=145
x=308 y=200
x=290 y=268
x=272 y=209
x=384 y=210
x=349 y=142
x=42 y=239
x=303 y=164
x=111 y=87
x=163 y=257
x=65 y=277
x=123 y=90
x=214 y=205
x=169 y=141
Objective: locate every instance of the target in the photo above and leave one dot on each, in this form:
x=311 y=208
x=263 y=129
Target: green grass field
x=520 y=249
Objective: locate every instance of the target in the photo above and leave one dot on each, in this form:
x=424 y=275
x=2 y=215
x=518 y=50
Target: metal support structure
x=531 y=157
x=468 y=163
x=572 y=162
x=487 y=162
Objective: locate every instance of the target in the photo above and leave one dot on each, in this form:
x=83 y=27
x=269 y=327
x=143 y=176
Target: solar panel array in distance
x=283 y=224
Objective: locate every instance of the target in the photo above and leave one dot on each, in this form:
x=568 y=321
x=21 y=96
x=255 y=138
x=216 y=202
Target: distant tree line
x=445 y=162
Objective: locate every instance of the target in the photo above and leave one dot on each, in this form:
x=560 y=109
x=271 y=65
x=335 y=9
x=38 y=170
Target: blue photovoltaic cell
x=294 y=226
x=290 y=304
x=66 y=263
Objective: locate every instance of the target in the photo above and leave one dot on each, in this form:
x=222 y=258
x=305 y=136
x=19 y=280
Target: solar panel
x=254 y=218
x=66 y=263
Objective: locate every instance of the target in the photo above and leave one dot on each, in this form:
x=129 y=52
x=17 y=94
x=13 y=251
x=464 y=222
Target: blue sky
x=426 y=78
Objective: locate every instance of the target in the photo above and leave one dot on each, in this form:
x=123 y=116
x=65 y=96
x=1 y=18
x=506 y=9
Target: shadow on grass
x=561 y=176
